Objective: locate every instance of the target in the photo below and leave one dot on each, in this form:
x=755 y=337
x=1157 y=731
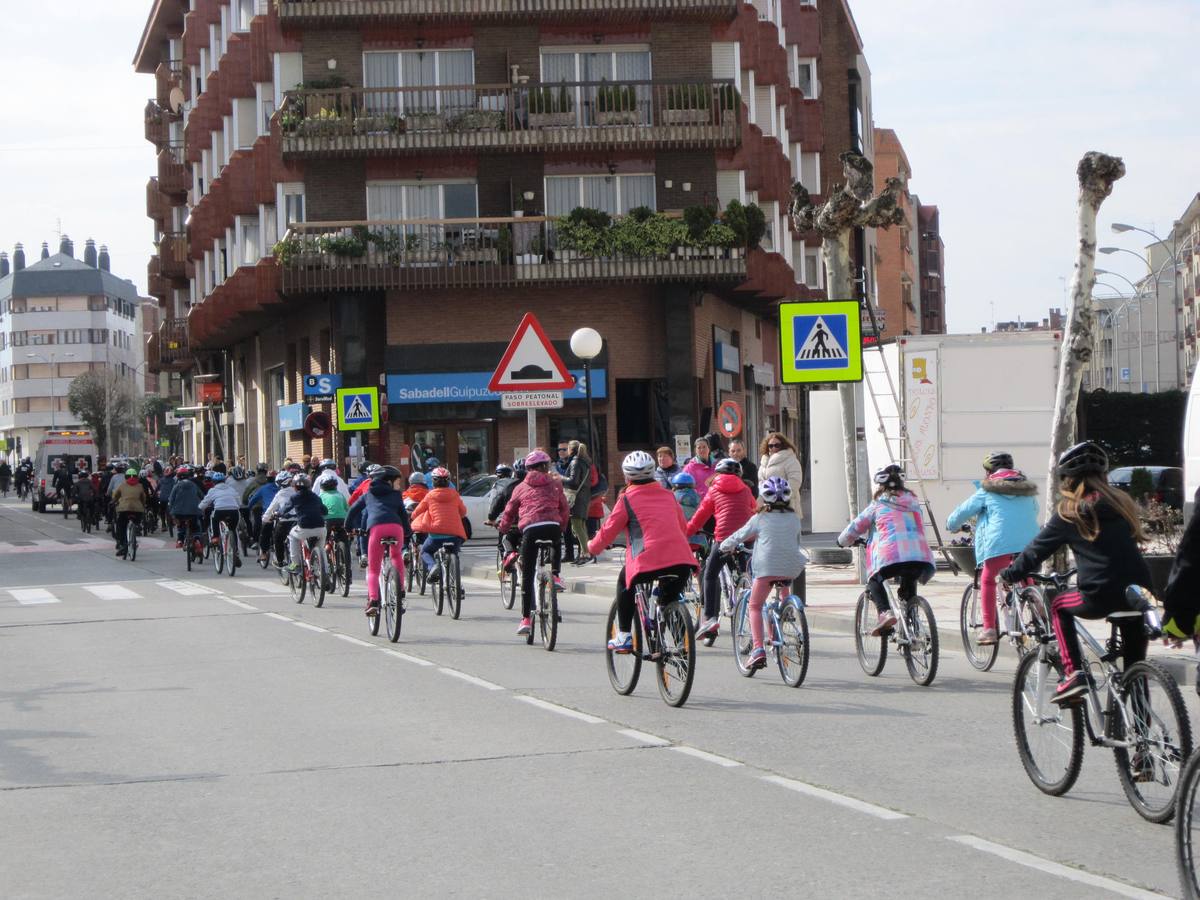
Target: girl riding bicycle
x=778 y=556
x=1101 y=526
x=439 y=516
x=655 y=543
x=896 y=544
x=730 y=502
x=1004 y=507
x=381 y=513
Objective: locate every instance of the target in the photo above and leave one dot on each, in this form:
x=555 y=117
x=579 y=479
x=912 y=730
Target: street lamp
x=50 y=363
x=1137 y=293
x=1110 y=319
x=1157 y=276
x=586 y=344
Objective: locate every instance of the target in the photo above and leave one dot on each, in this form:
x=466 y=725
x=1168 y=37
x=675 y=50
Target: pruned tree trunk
x=1097 y=173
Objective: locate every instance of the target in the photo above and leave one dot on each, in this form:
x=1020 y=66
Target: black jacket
x=1107 y=565
x=306 y=507
x=380 y=504
x=501 y=494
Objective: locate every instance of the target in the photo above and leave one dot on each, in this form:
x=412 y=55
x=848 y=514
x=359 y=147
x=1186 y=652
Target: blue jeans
x=435 y=541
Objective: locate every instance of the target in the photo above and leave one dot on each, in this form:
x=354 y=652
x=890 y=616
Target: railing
x=173 y=255
x=576 y=114
x=157 y=206
x=173 y=345
x=168 y=76
x=174 y=176
x=156 y=284
x=492 y=252
x=315 y=11
x=157 y=124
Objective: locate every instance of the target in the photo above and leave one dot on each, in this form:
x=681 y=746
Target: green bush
x=719 y=235
x=689 y=96
x=1141 y=484
x=616 y=98
x=756 y=225
x=641 y=213
x=548 y=100
x=347 y=245
x=735 y=219
x=698 y=220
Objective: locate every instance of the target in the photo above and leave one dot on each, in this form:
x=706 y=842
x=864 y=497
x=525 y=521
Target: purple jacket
x=539 y=498
x=895 y=532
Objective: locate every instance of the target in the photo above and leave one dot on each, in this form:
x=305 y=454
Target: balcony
x=174 y=176
x=157 y=124
x=324 y=12
x=593 y=115
x=173 y=255
x=428 y=254
x=157 y=285
x=158 y=207
x=168 y=350
x=168 y=77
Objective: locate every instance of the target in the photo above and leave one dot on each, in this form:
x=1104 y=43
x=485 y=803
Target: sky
x=994 y=103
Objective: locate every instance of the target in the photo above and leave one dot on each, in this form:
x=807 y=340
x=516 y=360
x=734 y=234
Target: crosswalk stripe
x=111 y=592
x=186 y=588
x=267 y=587
x=33 y=596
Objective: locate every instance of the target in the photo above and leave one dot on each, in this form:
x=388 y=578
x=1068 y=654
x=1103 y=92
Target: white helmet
x=638 y=465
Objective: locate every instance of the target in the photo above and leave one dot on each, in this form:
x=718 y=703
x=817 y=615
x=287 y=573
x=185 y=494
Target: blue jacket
x=380 y=505
x=185 y=498
x=307 y=508
x=264 y=495
x=1005 y=511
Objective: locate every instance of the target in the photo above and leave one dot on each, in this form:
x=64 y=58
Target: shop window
x=574 y=428
x=642 y=413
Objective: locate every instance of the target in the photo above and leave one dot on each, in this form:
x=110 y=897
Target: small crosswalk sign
x=357 y=408
x=820 y=342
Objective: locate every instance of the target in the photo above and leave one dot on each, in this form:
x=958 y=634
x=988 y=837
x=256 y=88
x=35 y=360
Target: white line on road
x=652 y=739
x=416 y=660
x=707 y=757
x=1051 y=868
x=186 y=588
x=471 y=679
x=238 y=603
x=309 y=627
x=267 y=587
x=561 y=710
x=352 y=640
x=111 y=592
x=870 y=809
x=278 y=616
x=33 y=596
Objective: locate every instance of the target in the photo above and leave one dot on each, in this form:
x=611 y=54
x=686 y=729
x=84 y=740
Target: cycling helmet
x=364 y=467
x=218 y=477
x=440 y=477
x=519 y=468
x=328 y=480
x=536 y=458
x=1083 y=459
x=131 y=472
x=504 y=471
x=327 y=464
x=729 y=466
x=262 y=469
x=284 y=478
x=386 y=473
x=237 y=473
x=417 y=478
x=183 y=471
x=432 y=463
x=890 y=476
x=301 y=482
x=682 y=479
x=775 y=490
x=638 y=466
x=997 y=459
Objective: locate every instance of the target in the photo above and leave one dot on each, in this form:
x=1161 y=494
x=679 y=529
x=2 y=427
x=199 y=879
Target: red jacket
x=732 y=503
x=441 y=512
x=596 y=507
x=539 y=498
x=654 y=527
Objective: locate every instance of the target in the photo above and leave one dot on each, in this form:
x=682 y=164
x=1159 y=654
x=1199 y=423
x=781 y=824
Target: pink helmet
x=536 y=458
x=440 y=472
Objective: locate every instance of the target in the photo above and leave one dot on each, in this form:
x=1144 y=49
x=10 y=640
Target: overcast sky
x=994 y=102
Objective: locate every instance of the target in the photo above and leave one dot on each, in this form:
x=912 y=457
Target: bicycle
x=1135 y=718
x=1186 y=820
x=225 y=550
x=193 y=547
x=785 y=633
x=663 y=633
x=914 y=634
x=88 y=518
x=1022 y=612
x=391 y=598
x=692 y=594
x=732 y=579
x=546 y=597
x=312 y=574
x=414 y=568
x=131 y=536
x=337 y=552
x=149 y=521
x=449 y=585
x=510 y=586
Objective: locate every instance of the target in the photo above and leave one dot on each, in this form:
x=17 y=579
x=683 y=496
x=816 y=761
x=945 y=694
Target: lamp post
x=1157 y=276
x=1137 y=293
x=50 y=363
x=586 y=344
x=1113 y=317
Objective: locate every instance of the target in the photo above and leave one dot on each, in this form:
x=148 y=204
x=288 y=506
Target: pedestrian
x=577 y=486
x=717 y=445
x=701 y=466
x=778 y=459
x=595 y=512
x=737 y=450
x=667 y=468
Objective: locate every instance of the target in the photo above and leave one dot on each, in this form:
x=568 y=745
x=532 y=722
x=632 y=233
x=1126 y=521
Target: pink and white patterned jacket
x=895 y=532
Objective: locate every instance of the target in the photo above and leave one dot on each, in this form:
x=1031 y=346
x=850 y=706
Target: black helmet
x=1083 y=459
x=997 y=459
x=504 y=471
x=890 y=476
x=363 y=465
x=386 y=473
x=729 y=466
x=301 y=482
x=519 y=469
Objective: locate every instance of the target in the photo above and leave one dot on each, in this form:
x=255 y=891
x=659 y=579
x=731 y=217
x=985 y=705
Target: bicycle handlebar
x=1054 y=579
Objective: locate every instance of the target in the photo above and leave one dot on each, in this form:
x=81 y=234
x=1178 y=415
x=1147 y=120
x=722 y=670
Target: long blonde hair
x=1079 y=497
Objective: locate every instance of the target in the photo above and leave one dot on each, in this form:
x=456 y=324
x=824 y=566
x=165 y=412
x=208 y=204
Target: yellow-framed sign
x=820 y=342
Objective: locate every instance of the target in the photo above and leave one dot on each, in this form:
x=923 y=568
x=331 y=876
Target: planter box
x=423 y=257
x=621 y=117
x=686 y=117
x=528 y=259
x=551 y=120
x=479 y=255
x=424 y=122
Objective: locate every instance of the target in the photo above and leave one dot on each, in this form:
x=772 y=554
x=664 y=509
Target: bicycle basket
x=963 y=556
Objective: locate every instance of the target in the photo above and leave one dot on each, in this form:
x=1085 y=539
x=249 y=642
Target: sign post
x=531 y=375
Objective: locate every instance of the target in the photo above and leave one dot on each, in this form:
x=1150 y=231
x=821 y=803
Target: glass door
x=428 y=443
x=475 y=455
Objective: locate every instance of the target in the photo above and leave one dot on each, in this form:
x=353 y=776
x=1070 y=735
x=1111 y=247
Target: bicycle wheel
x=410 y=569
x=318 y=575
x=921 y=652
x=677 y=662
x=422 y=572
x=373 y=621
x=871 y=650
x=1032 y=605
x=393 y=606
x=970 y=623
x=187 y=553
x=229 y=540
x=344 y=572
x=1049 y=737
x=693 y=597
x=793 y=647
x=1187 y=819
x=454 y=589
x=298 y=583
x=131 y=540
x=218 y=551
x=437 y=589
x=1155 y=722
x=547 y=612
x=743 y=643
x=623 y=668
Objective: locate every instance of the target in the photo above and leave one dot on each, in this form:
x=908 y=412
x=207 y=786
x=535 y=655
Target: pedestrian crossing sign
x=820 y=342
x=357 y=408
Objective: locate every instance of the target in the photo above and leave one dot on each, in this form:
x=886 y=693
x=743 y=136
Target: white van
x=75 y=449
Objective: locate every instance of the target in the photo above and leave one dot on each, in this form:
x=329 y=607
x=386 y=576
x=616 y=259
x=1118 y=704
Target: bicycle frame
x=899 y=634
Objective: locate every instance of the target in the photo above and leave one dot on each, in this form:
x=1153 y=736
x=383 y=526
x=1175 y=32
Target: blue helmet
x=682 y=479
x=217 y=477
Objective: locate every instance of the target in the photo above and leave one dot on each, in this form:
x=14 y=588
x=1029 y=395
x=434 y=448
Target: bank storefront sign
x=472 y=387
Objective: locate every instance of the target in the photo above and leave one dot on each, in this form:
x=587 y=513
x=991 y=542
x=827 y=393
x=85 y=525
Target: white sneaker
x=709 y=626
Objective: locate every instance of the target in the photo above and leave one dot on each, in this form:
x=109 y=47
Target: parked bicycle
x=1022 y=613
x=1139 y=714
x=914 y=635
x=785 y=634
x=663 y=633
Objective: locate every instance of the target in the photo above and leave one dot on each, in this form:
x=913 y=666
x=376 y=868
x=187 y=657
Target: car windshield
x=479 y=487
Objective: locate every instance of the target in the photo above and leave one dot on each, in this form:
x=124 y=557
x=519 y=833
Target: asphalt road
x=166 y=734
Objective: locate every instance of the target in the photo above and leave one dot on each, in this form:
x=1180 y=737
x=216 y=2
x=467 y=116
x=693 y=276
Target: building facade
x=931 y=266
x=898 y=248
x=357 y=189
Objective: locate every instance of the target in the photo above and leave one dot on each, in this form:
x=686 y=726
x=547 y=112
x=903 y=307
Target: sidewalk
x=833 y=592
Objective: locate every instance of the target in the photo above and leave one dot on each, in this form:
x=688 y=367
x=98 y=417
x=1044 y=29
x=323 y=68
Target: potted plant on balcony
x=475 y=249
x=475 y=120
x=616 y=104
x=424 y=119
x=730 y=102
x=536 y=250
x=688 y=104
x=551 y=108
x=420 y=251
x=696 y=222
x=748 y=223
x=585 y=233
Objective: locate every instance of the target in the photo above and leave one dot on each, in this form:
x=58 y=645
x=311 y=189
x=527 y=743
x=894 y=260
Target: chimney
x=3 y=263
x=45 y=250
x=18 y=258
x=65 y=246
x=103 y=260
x=89 y=253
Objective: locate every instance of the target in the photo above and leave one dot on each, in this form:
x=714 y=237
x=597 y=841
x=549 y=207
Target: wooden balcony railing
x=590 y=115
x=157 y=124
x=495 y=252
x=158 y=207
x=174 y=176
x=310 y=12
x=173 y=255
x=153 y=358
x=167 y=77
x=173 y=345
x=157 y=285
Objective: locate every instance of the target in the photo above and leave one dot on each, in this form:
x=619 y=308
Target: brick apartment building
x=932 y=269
x=371 y=189
x=898 y=247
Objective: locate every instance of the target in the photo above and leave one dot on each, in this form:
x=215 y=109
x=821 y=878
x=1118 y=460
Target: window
x=615 y=194
x=594 y=66
x=270 y=224
x=248 y=241
x=292 y=201
x=634 y=427
x=243 y=12
x=423 y=200
x=813 y=276
x=806 y=77
x=417 y=69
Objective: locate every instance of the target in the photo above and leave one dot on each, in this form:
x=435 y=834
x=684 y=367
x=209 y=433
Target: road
x=168 y=734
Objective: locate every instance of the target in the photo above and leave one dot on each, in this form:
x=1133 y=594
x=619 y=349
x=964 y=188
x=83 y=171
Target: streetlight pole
x=586 y=344
x=1151 y=272
x=1137 y=294
x=1114 y=321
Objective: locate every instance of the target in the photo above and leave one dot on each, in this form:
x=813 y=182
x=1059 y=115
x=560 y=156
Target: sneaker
x=758 y=659
x=526 y=626
x=435 y=575
x=1141 y=766
x=709 y=627
x=511 y=560
x=622 y=643
x=558 y=583
x=292 y=569
x=887 y=621
x=987 y=637
x=372 y=609
x=1071 y=688
x=179 y=545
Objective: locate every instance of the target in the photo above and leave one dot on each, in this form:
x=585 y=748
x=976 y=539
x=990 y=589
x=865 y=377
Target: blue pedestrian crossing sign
x=820 y=342
x=357 y=408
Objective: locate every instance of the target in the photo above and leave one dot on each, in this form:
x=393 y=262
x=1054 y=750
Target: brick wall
x=500 y=47
x=503 y=179
x=335 y=189
x=680 y=50
x=321 y=45
x=695 y=167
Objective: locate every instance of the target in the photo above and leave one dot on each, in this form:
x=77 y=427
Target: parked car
x=1168 y=482
x=475 y=498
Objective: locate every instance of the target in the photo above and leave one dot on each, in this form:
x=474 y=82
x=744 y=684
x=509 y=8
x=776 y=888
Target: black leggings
x=529 y=559
x=669 y=591
x=1067 y=606
x=907 y=572
x=230 y=517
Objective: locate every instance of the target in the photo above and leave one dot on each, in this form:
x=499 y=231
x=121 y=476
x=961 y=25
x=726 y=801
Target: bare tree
x=1097 y=173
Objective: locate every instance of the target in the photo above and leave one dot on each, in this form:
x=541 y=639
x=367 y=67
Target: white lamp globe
x=586 y=343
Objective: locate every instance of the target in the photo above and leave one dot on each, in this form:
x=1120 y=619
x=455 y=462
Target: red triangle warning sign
x=530 y=363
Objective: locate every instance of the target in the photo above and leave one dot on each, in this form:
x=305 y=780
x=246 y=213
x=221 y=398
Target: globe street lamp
x=586 y=344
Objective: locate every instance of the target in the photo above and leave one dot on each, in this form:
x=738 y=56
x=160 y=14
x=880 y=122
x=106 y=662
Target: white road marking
x=278 y=616
x=652 y=739
x=111 y=592
x=707 y=757
x=186 y=588
x=471 y=679
x=561 y=710
x=33 y=596
x=415 y=660
x=1051 y=868
x=267 y=587
x=238 y=603
x=870 y=809
x=309 y=627
x=353 y=640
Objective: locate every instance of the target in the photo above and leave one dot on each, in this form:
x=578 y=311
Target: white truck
x=962 y=396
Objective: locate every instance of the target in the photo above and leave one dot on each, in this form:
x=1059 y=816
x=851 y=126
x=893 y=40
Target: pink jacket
x=702 y=472
x=654 y=527
x=539 y=498
x=730 y=501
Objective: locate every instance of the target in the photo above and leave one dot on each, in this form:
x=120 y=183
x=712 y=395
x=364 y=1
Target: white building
x=59 y=318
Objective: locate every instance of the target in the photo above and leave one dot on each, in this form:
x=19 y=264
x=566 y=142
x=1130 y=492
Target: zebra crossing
x=133 y=590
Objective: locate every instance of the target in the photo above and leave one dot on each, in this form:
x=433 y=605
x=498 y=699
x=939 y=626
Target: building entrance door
x=467 y=450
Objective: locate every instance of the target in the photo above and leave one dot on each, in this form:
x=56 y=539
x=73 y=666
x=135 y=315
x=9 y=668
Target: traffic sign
x=357 y=408
x=531 y=400
x=820 y=342
x=317 y=424
x=730 y=417
x=321 y=388
x=530 y=363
